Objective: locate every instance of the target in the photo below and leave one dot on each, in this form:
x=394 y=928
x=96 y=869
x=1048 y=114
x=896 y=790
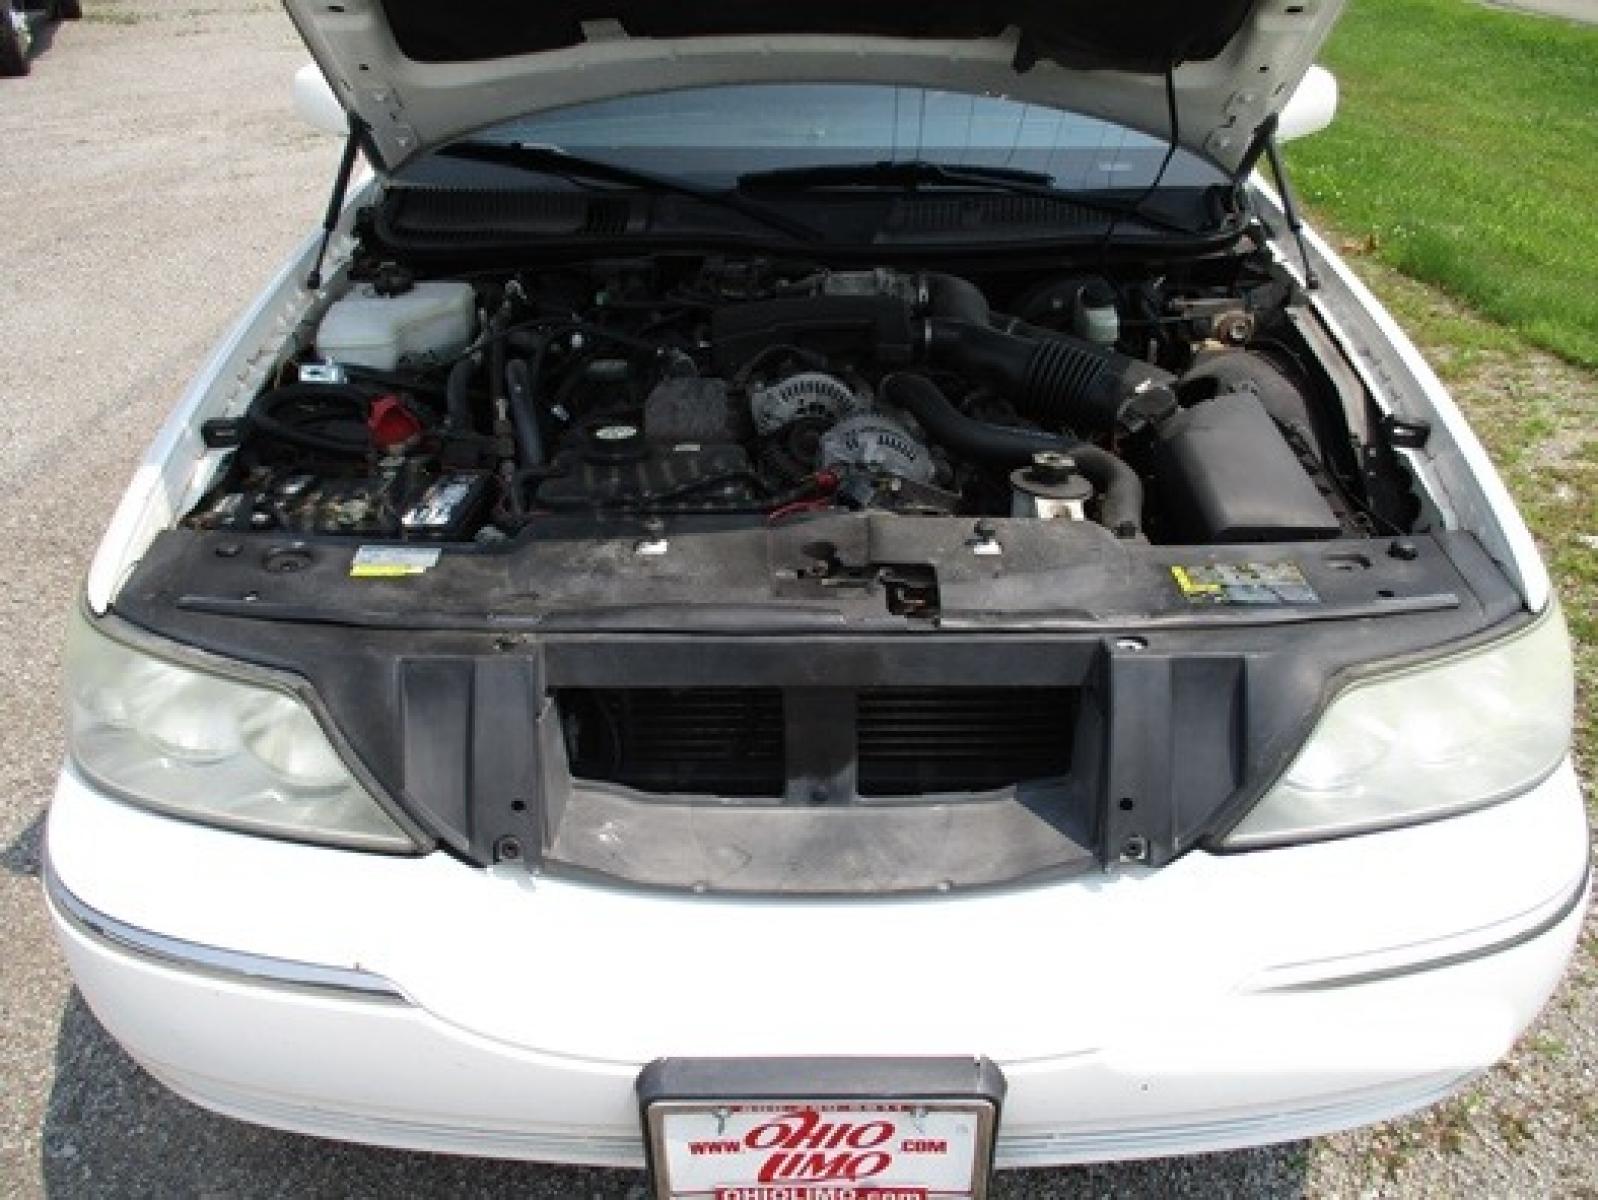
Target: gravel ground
x=152 y=177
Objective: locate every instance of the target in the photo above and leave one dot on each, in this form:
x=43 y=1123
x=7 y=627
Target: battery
x=447 y=508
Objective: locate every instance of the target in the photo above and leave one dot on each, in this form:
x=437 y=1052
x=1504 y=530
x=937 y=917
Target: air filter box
x=1226 y=474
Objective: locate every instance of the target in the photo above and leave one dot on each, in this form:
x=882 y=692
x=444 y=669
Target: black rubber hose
x=319 y=402
x=1120 y=489
x=992 y=445
x=497 y=382
x=457 y=396
x=529 y=342
x=519 y=381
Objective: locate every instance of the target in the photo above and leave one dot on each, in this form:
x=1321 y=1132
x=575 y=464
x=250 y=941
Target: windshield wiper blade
x=907 y=173
x=911 y=174
x=550 y=160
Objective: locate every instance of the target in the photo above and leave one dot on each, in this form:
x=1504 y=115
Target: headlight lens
x=1428 y=742
x=211 y=748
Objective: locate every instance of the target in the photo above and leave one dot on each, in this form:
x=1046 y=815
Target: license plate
x=799 y=1145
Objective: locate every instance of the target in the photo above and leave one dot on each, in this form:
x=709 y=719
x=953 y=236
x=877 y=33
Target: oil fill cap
x=618 y=442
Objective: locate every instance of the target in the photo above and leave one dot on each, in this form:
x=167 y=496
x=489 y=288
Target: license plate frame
x=816 y=1108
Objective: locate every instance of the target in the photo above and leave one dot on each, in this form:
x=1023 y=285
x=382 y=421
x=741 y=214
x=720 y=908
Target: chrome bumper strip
x=345 y=982
x=1520 y=937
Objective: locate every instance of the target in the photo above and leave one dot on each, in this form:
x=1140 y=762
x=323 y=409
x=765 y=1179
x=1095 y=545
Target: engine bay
x=1184 y=405
x=863 y=541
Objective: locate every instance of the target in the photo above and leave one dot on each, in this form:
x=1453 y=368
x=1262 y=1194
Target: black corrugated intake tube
x=1056 y=379
x=1053 y=377
x=1120 y=489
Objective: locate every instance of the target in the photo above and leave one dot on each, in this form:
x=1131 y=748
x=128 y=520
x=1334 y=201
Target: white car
x=819 y=600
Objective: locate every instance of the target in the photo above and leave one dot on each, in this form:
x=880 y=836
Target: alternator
x=807 y=394
x=878 y=444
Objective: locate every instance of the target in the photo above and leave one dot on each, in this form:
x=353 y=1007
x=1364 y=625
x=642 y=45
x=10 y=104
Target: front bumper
x=1218 y=1002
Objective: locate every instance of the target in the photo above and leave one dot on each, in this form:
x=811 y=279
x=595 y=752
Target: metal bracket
x=1406 y=433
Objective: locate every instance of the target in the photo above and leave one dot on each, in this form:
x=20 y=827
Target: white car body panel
x=1219 y=1001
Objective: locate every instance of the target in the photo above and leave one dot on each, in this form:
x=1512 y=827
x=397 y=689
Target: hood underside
x=419 y=74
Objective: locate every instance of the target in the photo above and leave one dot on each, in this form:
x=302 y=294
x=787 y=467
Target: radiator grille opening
x=914 y=740
x=723 y=741
x=734 y=742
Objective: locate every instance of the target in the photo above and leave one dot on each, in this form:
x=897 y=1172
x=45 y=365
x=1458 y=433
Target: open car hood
x=419 y=73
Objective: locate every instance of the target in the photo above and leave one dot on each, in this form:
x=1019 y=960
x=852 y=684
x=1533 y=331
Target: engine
x=467 y=410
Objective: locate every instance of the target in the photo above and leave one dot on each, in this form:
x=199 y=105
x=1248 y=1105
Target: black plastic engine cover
x=1226 y=474
x=878 y=327
x=668 y=475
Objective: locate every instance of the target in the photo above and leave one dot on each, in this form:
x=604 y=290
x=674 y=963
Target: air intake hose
x=1055 y=379
x=956 y=298
x=1120 y=489
x=1058 y=380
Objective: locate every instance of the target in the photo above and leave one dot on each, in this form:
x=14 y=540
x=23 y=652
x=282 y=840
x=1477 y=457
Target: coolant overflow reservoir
x=431 y=322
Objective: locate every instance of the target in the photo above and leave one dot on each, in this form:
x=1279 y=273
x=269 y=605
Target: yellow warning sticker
x=392 y=562
x=1244 y=583
x=1192 y=587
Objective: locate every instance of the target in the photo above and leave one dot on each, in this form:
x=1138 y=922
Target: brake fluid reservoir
x=1094 y=316
x=430 y=322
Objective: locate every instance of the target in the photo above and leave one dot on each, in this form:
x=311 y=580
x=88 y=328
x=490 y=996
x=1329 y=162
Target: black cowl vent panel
x=418 y=216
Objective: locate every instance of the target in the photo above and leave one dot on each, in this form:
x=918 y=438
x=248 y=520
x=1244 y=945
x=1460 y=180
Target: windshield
x=712 y=135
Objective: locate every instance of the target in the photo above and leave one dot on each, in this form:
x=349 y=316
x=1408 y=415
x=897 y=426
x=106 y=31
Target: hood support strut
x=1264 y=144
x=1295 y=223
x=335 y=202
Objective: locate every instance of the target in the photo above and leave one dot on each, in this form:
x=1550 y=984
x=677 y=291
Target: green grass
x=1465 y=154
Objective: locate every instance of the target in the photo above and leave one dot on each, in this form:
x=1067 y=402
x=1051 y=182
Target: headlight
x=1428 y=742
x=212 y=748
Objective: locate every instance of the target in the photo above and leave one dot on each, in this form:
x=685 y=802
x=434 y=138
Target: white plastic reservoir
x=430 y=322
